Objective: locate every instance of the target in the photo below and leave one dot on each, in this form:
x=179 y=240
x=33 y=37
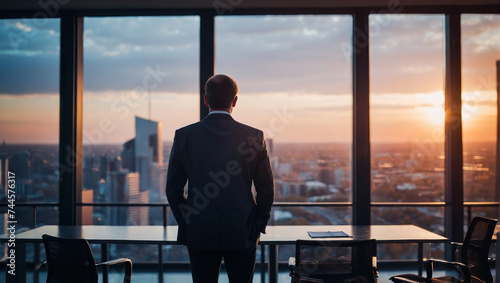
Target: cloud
x=118 y=51
x=285 y=53
x=406 y=53
x=29 y=53
x=29 y=37
x=292 y=54
x=481 y=33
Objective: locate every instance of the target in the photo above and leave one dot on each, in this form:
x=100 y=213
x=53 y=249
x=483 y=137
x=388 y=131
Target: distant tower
x=409 y=146
x=144 y=155
x=124 y=187
x=103 y=166
x=148 y=153
x=115 y=164
x=20 y=164
x=4 y=171
x=269 y=144
x=325 y=173
x=148 y=140
x=128 y=155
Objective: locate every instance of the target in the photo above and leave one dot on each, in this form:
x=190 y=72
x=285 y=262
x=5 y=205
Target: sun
x=434 y=114
x=431 y=106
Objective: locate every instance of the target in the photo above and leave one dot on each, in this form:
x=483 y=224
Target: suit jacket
x=219 y=158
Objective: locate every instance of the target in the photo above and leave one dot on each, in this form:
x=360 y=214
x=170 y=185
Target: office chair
x=471 y=257
x=334 y=261
x=72 y=261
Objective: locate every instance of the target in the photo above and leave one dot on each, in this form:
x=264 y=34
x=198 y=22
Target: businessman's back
x=220 y=158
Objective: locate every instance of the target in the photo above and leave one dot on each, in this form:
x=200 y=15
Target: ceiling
x=232 y=6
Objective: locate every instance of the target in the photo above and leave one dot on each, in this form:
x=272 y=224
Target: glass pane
x=141 y=84
x=480 y=53
x=29 y=121
x=407 y=121
x=407 y=115
x=294 y=77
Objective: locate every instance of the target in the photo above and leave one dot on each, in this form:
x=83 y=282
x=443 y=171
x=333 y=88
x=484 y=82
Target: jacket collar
x=219 y=116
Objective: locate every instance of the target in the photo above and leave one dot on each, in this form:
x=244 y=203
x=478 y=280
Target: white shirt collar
x=219 y=112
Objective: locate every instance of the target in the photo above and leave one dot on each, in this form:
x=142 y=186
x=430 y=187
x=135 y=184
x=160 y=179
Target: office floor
x=184 y=276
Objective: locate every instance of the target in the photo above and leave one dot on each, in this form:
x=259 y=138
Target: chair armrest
x=114 y=261
x=128 y=267
x=430 y=266
x=457 y=243
x=38 y=266
x=455 y=263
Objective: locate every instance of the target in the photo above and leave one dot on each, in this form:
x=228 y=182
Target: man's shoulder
x=244 y=127
x=189 y=127
x=248 y=128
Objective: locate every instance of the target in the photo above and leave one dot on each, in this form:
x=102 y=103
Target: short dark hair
x=220 y=91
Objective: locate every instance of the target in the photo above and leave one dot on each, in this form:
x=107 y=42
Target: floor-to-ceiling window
x=29 y=117
x=140 y=85
x=294 y=75
x=407 y=120
x=29 y=123
x=480 y=53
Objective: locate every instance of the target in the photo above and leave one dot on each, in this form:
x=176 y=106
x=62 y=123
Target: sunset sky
x=294 y=74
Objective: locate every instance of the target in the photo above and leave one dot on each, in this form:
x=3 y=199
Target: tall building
x=3 y=231
x=128 y=156
x=103 y=166
x=326 y=174
x=19 y=164
x=87 y=211
x=115 y=165
x=148 y=152
x=339 y=177
x=4 y=172
x=123 y=187
x=270 y=146
x=144 y=155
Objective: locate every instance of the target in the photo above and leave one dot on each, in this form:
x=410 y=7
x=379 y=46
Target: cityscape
x=135 y=173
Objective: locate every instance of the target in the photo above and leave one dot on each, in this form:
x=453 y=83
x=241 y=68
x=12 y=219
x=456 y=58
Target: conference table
x=161 y=235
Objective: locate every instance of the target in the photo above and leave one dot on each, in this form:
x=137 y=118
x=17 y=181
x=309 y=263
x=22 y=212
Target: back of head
x=220 y=91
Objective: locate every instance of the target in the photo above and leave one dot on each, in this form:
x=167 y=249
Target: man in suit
x=221 y=217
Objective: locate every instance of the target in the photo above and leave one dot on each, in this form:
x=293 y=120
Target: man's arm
x=264 y=187
x=176 y=180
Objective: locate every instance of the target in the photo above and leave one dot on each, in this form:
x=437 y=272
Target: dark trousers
x=205 y=264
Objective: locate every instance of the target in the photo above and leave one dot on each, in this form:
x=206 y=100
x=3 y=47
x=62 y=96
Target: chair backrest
x=69 y=260
x=476 y=247
x=336 y=261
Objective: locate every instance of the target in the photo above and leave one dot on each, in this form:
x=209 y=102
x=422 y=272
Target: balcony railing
x=469 y=206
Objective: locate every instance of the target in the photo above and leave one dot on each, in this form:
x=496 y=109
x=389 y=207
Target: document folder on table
x=328 y=234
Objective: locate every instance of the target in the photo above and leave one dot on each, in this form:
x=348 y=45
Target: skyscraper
x=4 y=169
x=128 y=156
x=148 y=153
x=148 y=140
x=123 y=187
